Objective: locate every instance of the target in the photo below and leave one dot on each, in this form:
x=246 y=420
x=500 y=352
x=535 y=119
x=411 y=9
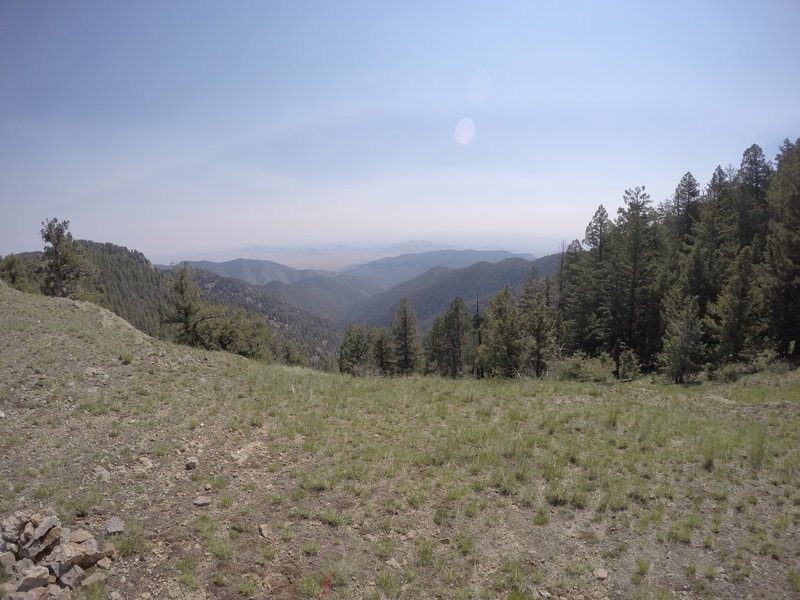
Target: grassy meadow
x=329 y=486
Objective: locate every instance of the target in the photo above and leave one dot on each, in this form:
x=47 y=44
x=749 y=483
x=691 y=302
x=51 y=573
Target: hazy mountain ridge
x=397 y=269
x=431 y=293
x=258 y=272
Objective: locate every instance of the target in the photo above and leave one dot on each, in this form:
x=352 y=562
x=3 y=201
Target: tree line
x=706 y=280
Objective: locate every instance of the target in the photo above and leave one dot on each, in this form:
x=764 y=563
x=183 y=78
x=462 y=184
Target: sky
x=183 y=127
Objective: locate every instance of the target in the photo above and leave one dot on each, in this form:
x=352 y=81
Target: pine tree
x=64 y=266
x=538 y=323
x=14 y=273
x=597 y=233
x=683 y=349
x=354 y=351
x=752 y=205
x=783 y=250
x=737 y=317
x=501 y=351
x=404 y=334
x=382 y=351
x=457 y=331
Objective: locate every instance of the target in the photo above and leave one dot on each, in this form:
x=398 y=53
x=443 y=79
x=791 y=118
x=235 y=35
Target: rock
x=601 y=574
x=79 y=535
x=23 y=565
x=46 y=534
x=33 y=578
x=7 y=562
x=93 y=578
x=191 y=463
x=263 y=530
x=27 y=533
x=114 y=526
x=12 y=526
x=20 y=596
x=392 y=562
x=545 y=594
x=72 y=577
x=104 y=563
x=202 y=501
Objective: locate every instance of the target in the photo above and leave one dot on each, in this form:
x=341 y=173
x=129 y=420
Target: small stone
x=114 y=526
x=207 y=487
x=263 y=530
x=33 y=578
x=202 y=501
x=545 y=594
x=73 y=577
x=601 y=574
x=79 y=535
x=7 y=562
x=23 y=565
x=191 y=463
x=93 y=578
x=104 y=563
x=392 y=562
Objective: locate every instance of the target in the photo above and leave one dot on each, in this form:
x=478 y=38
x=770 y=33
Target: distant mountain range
x=258 y=272
x=397 y=269
x=369 y=293
x=431 y=293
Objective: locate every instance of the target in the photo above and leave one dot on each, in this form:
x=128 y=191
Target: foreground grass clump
x=396 y=488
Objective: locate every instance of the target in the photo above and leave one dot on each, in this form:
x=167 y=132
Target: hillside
x=397 y=269
x=318 y=338
x=432 y=292
x=235 y=479
x=258 y=272
x=326 y=297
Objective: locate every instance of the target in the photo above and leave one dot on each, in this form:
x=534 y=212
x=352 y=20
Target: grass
x=413 y=487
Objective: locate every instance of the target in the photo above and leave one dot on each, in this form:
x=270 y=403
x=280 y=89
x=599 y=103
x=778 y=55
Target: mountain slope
x=258 y=272
x=432 y=292
x=326 y=297
x=396 y=269
x=318 y=338
x=237 y=479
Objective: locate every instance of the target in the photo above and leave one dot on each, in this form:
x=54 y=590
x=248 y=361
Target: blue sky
x=183 y=126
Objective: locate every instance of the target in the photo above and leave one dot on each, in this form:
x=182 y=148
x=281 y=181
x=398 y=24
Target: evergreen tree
x=188 y=307
x=715 y=241
x=538 y=323
x=63 y=264
x=683 y=348
x=783 y=250
x=752 y=205
x=457 y=331
x=736 y=318
x=404 y=334
x=382 y=351
x=501 y=351
x=636 y=253
x=14 y=273
x=434 y=347
x=597 y=233
x=354 y=351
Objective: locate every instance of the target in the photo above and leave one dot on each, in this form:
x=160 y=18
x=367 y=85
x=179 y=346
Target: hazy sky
x=173 y=127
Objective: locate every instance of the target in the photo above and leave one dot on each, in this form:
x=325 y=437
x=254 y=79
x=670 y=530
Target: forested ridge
x=127 y=283
x=708 y=280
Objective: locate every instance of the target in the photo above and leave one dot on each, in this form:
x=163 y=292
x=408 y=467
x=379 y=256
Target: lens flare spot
x=465 y=131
